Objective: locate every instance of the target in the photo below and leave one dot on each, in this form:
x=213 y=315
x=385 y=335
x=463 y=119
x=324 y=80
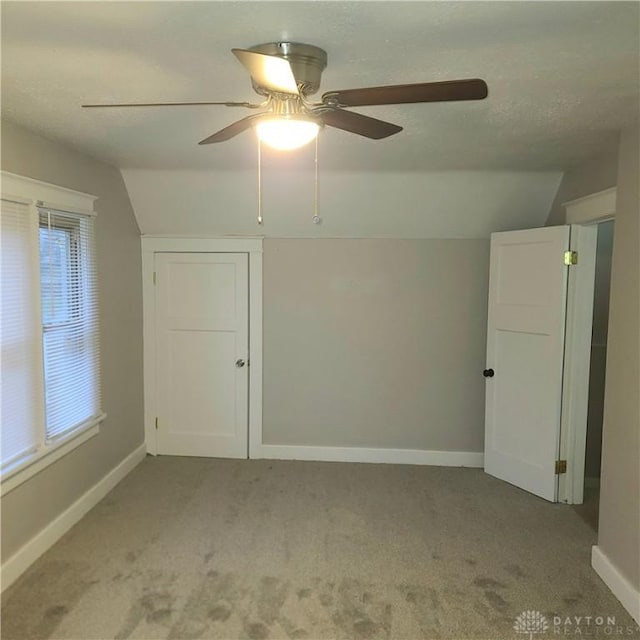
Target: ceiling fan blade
x=271 y=72
x=232 y=130
x=172 y=104
x=357 y=123
x=473 y=89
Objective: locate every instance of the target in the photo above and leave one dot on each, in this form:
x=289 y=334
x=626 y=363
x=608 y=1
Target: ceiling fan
x=287 y=73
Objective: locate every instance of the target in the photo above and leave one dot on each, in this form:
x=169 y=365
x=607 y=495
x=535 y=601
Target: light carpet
x=204 y=548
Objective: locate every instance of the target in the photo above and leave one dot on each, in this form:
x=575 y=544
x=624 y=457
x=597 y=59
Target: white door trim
x=583 y=214
x=161 y=244
x=596 y=207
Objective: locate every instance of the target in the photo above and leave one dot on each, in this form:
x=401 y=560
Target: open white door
x=202 y=348
x=525 y=351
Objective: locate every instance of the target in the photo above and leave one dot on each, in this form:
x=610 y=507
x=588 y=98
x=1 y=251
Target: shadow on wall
x=599 y=349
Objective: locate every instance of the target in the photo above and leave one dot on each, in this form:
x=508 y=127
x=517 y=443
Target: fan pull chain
x=316 y=217
x=259 y=181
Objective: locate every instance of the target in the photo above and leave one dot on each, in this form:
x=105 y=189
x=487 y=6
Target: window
x=49 y=332
x=69 y=322
x=20 y=331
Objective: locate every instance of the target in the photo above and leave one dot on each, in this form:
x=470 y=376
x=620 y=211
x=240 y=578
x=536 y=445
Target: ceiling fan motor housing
x=307 y=63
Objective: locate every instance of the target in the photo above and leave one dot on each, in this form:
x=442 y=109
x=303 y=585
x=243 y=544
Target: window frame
x=35 y=194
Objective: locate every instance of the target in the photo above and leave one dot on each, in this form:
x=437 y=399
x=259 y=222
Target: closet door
x=202 y=351
x=525 y=353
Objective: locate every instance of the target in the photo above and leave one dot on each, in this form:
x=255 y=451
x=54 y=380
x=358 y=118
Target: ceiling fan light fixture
x=287 y=133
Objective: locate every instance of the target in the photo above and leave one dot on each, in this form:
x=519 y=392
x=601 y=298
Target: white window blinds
x=69 y=321
x=20 y=334
x=50 y=379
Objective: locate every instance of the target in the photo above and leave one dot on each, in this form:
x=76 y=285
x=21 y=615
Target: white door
x=525 y=350
x=202 y=354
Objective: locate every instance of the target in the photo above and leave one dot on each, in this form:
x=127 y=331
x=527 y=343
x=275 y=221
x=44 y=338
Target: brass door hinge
x=156 y=423
x=561 y=467
x=570 y=258
x=154 y=277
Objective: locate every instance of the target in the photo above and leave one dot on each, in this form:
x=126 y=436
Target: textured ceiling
x=563 y=77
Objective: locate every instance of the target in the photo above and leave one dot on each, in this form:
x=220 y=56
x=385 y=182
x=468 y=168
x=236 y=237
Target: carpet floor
x=204 y=548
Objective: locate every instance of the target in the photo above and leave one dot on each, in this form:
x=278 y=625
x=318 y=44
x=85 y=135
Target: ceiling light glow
x=286 y=134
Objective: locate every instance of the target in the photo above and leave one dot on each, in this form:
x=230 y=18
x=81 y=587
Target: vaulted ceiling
x=563 y=78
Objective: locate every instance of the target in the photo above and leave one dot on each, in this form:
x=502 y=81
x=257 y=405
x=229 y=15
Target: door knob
x=239 y=363
x=488 y=373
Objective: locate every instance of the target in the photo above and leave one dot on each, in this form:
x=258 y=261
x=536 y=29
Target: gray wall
x=352 y=204
x=35 y=503
x=619 y=524
x=619 y=528
x=375 y=343
x=596 y=175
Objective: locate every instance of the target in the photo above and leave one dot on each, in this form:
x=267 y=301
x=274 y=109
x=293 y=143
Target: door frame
x=252 y=246
x=583 y=214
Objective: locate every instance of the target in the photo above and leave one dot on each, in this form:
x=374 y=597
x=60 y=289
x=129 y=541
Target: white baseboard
x=621 y=588
x=34 y=548
x=361 y=454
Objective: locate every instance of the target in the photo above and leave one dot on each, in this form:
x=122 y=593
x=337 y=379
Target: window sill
x=26 y=468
